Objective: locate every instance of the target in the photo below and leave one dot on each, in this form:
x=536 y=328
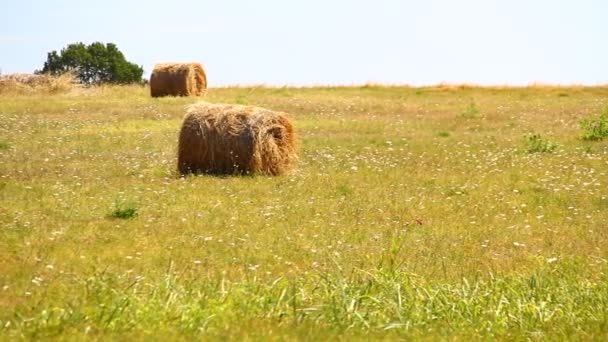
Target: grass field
x=439 y=212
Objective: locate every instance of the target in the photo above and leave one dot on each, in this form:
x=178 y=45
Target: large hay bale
x=235 y=139
x=178 y=79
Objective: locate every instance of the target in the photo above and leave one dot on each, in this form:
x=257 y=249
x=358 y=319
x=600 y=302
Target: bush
x=537 y=144
x=471 y=111
x=595 y=128
x=124 y=212
x=443 y=134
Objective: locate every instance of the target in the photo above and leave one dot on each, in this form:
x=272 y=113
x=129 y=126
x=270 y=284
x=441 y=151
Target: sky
x=327 y=42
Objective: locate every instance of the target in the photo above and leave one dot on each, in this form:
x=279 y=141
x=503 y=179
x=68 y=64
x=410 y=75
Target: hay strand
x=235 y=139
x=178 y=79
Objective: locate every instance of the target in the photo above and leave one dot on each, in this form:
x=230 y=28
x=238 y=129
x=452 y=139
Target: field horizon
x=461 y=85
x=436 y=212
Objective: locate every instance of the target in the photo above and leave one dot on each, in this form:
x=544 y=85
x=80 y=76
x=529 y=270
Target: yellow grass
x=12 y=84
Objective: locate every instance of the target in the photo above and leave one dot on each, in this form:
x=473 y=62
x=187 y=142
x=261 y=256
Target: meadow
x=450 y=212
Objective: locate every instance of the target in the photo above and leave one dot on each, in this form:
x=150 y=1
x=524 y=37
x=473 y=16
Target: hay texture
x=235 y=139
x=178 y=79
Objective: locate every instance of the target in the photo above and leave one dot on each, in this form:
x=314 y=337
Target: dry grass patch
x=36 y=84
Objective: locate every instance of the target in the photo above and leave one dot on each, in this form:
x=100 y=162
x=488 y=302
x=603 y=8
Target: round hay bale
x=178 y=79
x=235 y=139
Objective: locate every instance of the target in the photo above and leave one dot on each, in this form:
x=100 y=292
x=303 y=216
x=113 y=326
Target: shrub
x=344 y=190
x=537 y=144
x=595 y=128
x=124 y=212
x=443 y=134
x=470 y=112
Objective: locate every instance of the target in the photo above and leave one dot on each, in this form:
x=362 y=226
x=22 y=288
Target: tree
x=93 y=64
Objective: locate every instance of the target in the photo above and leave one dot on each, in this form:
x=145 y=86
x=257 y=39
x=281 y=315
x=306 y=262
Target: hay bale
x=235 y=139
x=178 y=79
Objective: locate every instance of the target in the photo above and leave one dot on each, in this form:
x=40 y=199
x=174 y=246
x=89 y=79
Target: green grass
x=401 y=221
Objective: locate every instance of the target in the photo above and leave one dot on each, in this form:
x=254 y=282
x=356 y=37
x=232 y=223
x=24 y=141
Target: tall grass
x=12 y=84
x=380 y=302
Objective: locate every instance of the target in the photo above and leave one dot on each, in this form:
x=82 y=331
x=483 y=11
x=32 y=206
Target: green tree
x=93 y=64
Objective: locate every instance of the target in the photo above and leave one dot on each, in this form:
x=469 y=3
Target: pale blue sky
x=327 y=42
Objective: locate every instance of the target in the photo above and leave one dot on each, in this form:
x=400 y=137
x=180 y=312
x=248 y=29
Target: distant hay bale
x=178 y=79
x=235 y=139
